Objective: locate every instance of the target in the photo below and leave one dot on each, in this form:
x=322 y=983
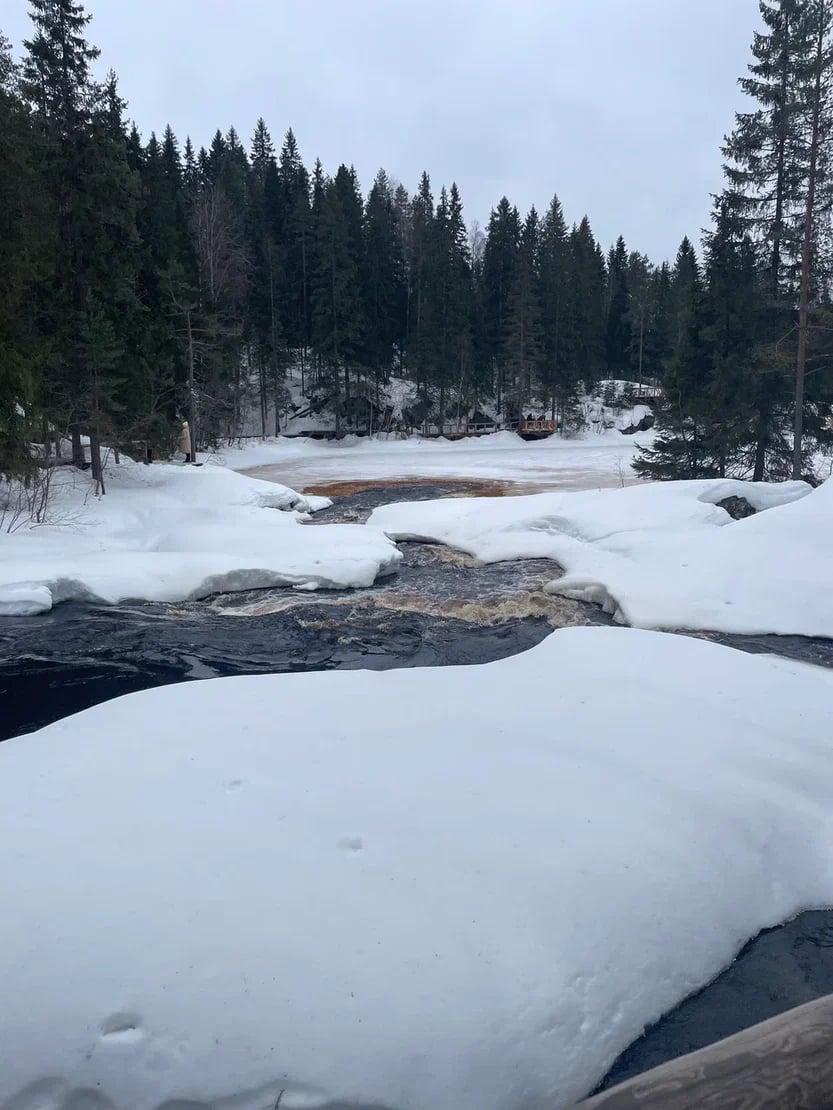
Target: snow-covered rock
x=437 y=889
x=658 y=555
x=169 y=533
x=637 y=419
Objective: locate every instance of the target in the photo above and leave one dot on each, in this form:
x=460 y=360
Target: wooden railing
x=783 y=1063
x=642 y=392
x=547 y=426
x=462 y=429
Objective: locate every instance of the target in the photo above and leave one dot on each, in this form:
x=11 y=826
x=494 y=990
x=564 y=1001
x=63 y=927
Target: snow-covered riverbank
x=353 y=887
x=658 y=555
x=174 y=532
x=169 y=533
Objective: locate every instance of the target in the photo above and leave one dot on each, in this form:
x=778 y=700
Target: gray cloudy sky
x=619 y=106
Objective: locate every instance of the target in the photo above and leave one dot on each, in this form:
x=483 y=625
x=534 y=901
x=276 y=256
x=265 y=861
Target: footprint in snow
x=122 y=1028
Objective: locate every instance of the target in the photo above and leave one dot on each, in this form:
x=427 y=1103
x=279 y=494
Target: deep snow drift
x=351 y=886
x=168 y=533
x=658 y=555
x=584 y=462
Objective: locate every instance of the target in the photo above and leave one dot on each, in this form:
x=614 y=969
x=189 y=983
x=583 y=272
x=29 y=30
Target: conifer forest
x=147 y=280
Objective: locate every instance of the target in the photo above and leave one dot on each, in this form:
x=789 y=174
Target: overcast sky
x=619 y=106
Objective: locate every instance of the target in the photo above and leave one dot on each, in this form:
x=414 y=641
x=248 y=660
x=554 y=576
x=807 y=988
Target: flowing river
x=442 y=608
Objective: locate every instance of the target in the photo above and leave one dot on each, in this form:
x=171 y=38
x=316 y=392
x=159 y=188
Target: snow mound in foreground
x=354 y=889
x=660 y=555
x=171 y=533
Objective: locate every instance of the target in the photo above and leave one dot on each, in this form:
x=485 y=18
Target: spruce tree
x=553 y=254
x=707 y=424
x=618 y=328
x=500 y=259
x=658 y=343
x=93 y=198
x=816 y=128
x=383 y=279
x=641 y=314
x=55 y=80
x=337 y=318
x=460 y=312
x=522 y=339
x=777 y=185
x=268 y=300
x=55 y=76
x=292 y=211
x=23 y=215
x=685 y=286
x=584 y=330
x=422 y=332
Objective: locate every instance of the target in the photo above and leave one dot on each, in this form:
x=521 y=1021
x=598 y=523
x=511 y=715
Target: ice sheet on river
x=169 y=533
x=660 y=555
x=583 y=461
x=440 y=889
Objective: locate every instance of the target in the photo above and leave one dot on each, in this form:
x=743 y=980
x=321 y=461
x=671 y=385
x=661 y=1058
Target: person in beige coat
x=185 y=441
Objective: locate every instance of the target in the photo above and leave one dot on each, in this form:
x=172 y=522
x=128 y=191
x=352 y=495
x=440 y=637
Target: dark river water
x=442 y=608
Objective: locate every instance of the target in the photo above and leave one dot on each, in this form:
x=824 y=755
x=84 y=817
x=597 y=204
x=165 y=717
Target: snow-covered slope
x=166 y=533
x=438 y=889
x=661 y=555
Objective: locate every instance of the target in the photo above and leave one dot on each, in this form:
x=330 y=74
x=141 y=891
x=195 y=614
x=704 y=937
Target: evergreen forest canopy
x=144 y=282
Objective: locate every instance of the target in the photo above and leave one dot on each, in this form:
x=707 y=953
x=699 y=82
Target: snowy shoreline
x=171 y=533
x=431 y=904
x=657 y=555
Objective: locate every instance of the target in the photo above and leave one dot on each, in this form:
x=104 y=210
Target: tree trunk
x=305 y=308
x=264 y=401
x=779 y=177
x=192 y=400
x=77 y=450
x=807 y=258
x=760 y=458
x=521 y=361
x=95 y=463
x=460 y=391
x=273 y=323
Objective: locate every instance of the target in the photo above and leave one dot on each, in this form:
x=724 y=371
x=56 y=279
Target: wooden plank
x=785 y=1063
x=543 y=425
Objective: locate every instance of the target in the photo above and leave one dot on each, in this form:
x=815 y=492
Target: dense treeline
x=749 y=387
x=144 y=283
